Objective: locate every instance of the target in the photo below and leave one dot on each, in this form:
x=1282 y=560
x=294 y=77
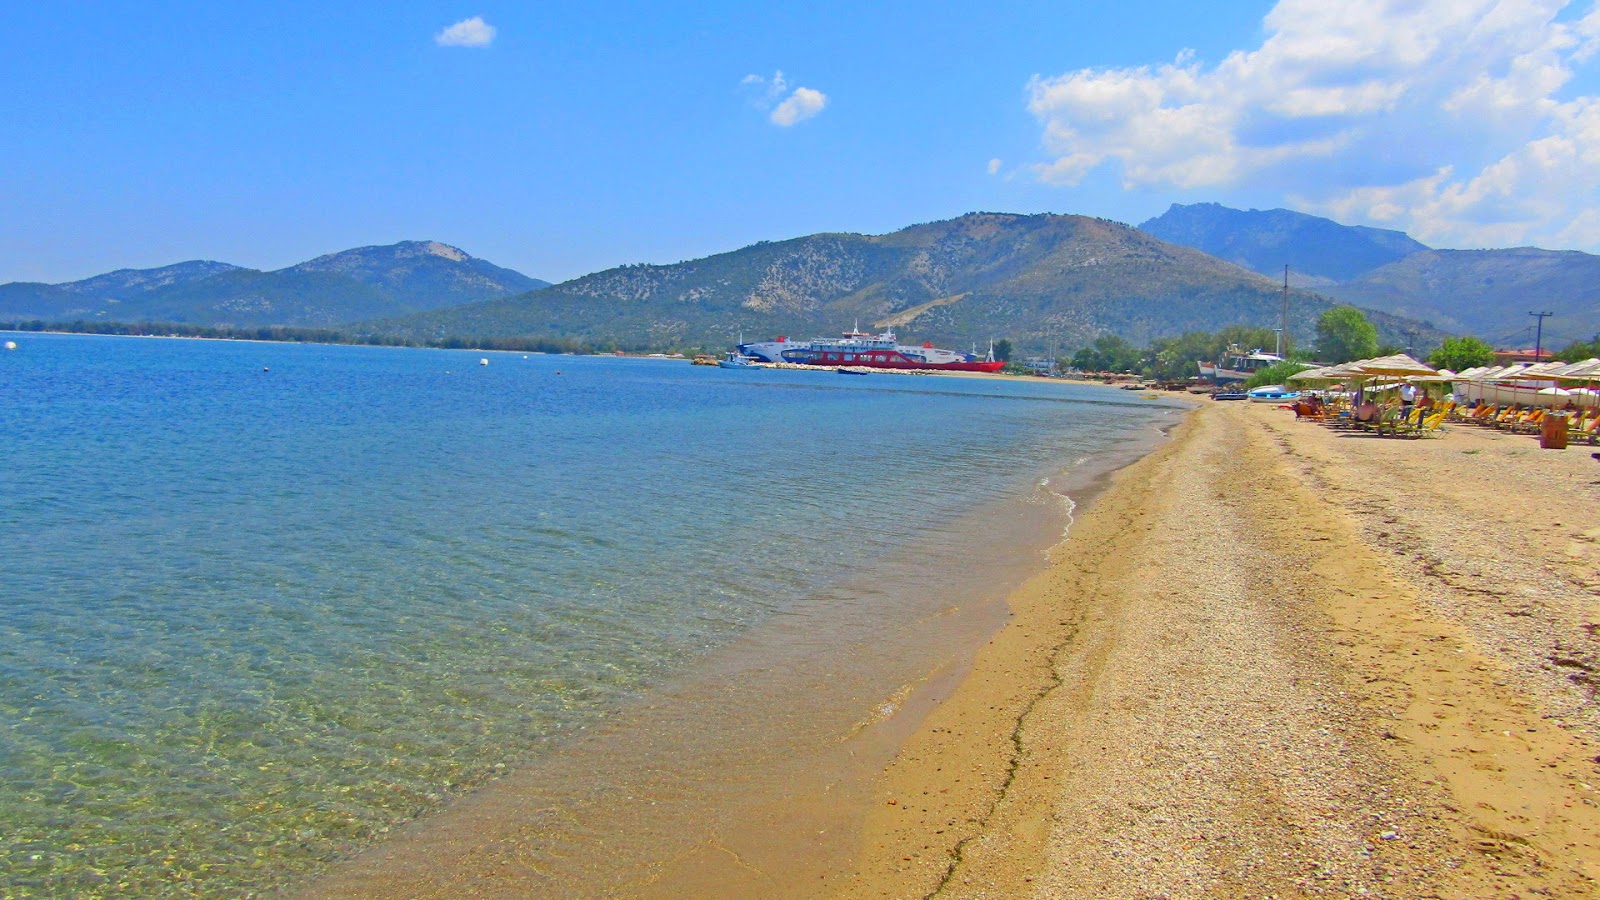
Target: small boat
x=1230 y=395
x=736 y=360
x=1237 y=365
x=842 y=370
x=1273 y=393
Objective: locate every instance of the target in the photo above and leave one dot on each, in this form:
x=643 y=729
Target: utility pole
x=1538 y=339
x=1411 y=339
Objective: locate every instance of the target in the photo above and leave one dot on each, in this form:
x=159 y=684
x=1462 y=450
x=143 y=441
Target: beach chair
x=1512 y=415
x=1390 y=422
x=1528 y=423
x=1590 y=430
x=1432 y=426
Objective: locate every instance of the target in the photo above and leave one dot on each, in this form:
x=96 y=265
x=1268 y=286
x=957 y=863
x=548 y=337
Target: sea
x=263 y=605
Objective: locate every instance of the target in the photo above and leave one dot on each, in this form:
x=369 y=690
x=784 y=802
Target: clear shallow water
x=251 y=618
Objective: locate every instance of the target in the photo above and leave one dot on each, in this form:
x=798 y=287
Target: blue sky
x=558 y=140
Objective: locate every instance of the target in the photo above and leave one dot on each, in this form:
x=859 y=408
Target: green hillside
x=1042 y=281
x=1488 y=293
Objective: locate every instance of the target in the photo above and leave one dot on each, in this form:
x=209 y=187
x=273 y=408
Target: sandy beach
x=1277 y=660
x=1269 y=660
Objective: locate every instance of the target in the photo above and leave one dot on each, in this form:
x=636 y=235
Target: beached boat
x=1237 y=366
x=1272 y=393
x=880 y=351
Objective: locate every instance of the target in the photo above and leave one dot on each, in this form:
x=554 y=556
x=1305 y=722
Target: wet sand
x=751 y=775
x=1276 y=660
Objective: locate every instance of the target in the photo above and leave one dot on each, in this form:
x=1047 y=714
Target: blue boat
x=737 y=361
x=1273 y=393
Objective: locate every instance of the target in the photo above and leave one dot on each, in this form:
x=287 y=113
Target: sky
x=561 y=139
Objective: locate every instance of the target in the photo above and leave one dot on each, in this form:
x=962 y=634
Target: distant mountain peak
x=454 y=254
x=1263 y=241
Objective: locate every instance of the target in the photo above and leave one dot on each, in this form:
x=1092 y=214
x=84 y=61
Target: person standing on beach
x=1408 y=396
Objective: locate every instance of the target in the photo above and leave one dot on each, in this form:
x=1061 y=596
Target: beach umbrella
x=1588 y=397
x=1534 y=372
x=1399 y=365
x=1321 y=373
x=1586 y=371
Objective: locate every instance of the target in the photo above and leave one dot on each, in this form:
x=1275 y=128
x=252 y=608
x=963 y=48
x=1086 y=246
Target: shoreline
x=1229 y=681
x=709 y=785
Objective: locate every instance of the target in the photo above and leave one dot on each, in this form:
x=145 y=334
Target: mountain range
x=1487 y=293
x=1040 y=280
x=332 y=290
x=1043 y=281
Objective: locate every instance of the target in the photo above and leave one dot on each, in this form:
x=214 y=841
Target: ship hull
x=980 y=366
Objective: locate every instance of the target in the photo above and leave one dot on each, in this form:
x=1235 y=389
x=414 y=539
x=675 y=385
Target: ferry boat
x=880 y=351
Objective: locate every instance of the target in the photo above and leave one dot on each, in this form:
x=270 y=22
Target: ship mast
x=1283 y=326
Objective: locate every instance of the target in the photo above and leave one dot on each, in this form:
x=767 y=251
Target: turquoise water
x=259 y=603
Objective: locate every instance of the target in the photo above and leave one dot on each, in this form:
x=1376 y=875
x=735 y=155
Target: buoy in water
x=483 y=362
x=11 y=345
x=265 y=369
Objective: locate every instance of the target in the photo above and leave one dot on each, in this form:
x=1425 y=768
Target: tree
x=1277 y=373
x=1002 y=350
x=1110 y=353
x=1175 y=358
x=1246 y=338
x=1580 y=351
x=1459 y=353
x=1343 y=334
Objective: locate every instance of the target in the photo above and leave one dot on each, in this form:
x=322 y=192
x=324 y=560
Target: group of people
x=1412 y=398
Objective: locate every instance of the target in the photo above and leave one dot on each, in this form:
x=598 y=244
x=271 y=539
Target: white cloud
x=473 y=32
x=994 y=166
x=801 y=105
x=1443 y=117
x=765 y=93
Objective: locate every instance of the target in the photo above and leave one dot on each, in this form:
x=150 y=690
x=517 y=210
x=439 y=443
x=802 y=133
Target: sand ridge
x=1264 y=665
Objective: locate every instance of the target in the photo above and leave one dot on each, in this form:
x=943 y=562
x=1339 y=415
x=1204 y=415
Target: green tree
x=1459 y=353
x=1343 y=334
x=1002 y=350
x=1277 y=373
x=1175 y=358
x=1246 y=338
x=1109 y=353
x=1580 y=351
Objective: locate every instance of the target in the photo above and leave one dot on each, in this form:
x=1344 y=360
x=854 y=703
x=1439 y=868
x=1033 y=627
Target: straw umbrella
x=1399 y=365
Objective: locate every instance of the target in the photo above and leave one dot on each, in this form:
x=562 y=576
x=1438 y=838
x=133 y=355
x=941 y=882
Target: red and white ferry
x=880 y=351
